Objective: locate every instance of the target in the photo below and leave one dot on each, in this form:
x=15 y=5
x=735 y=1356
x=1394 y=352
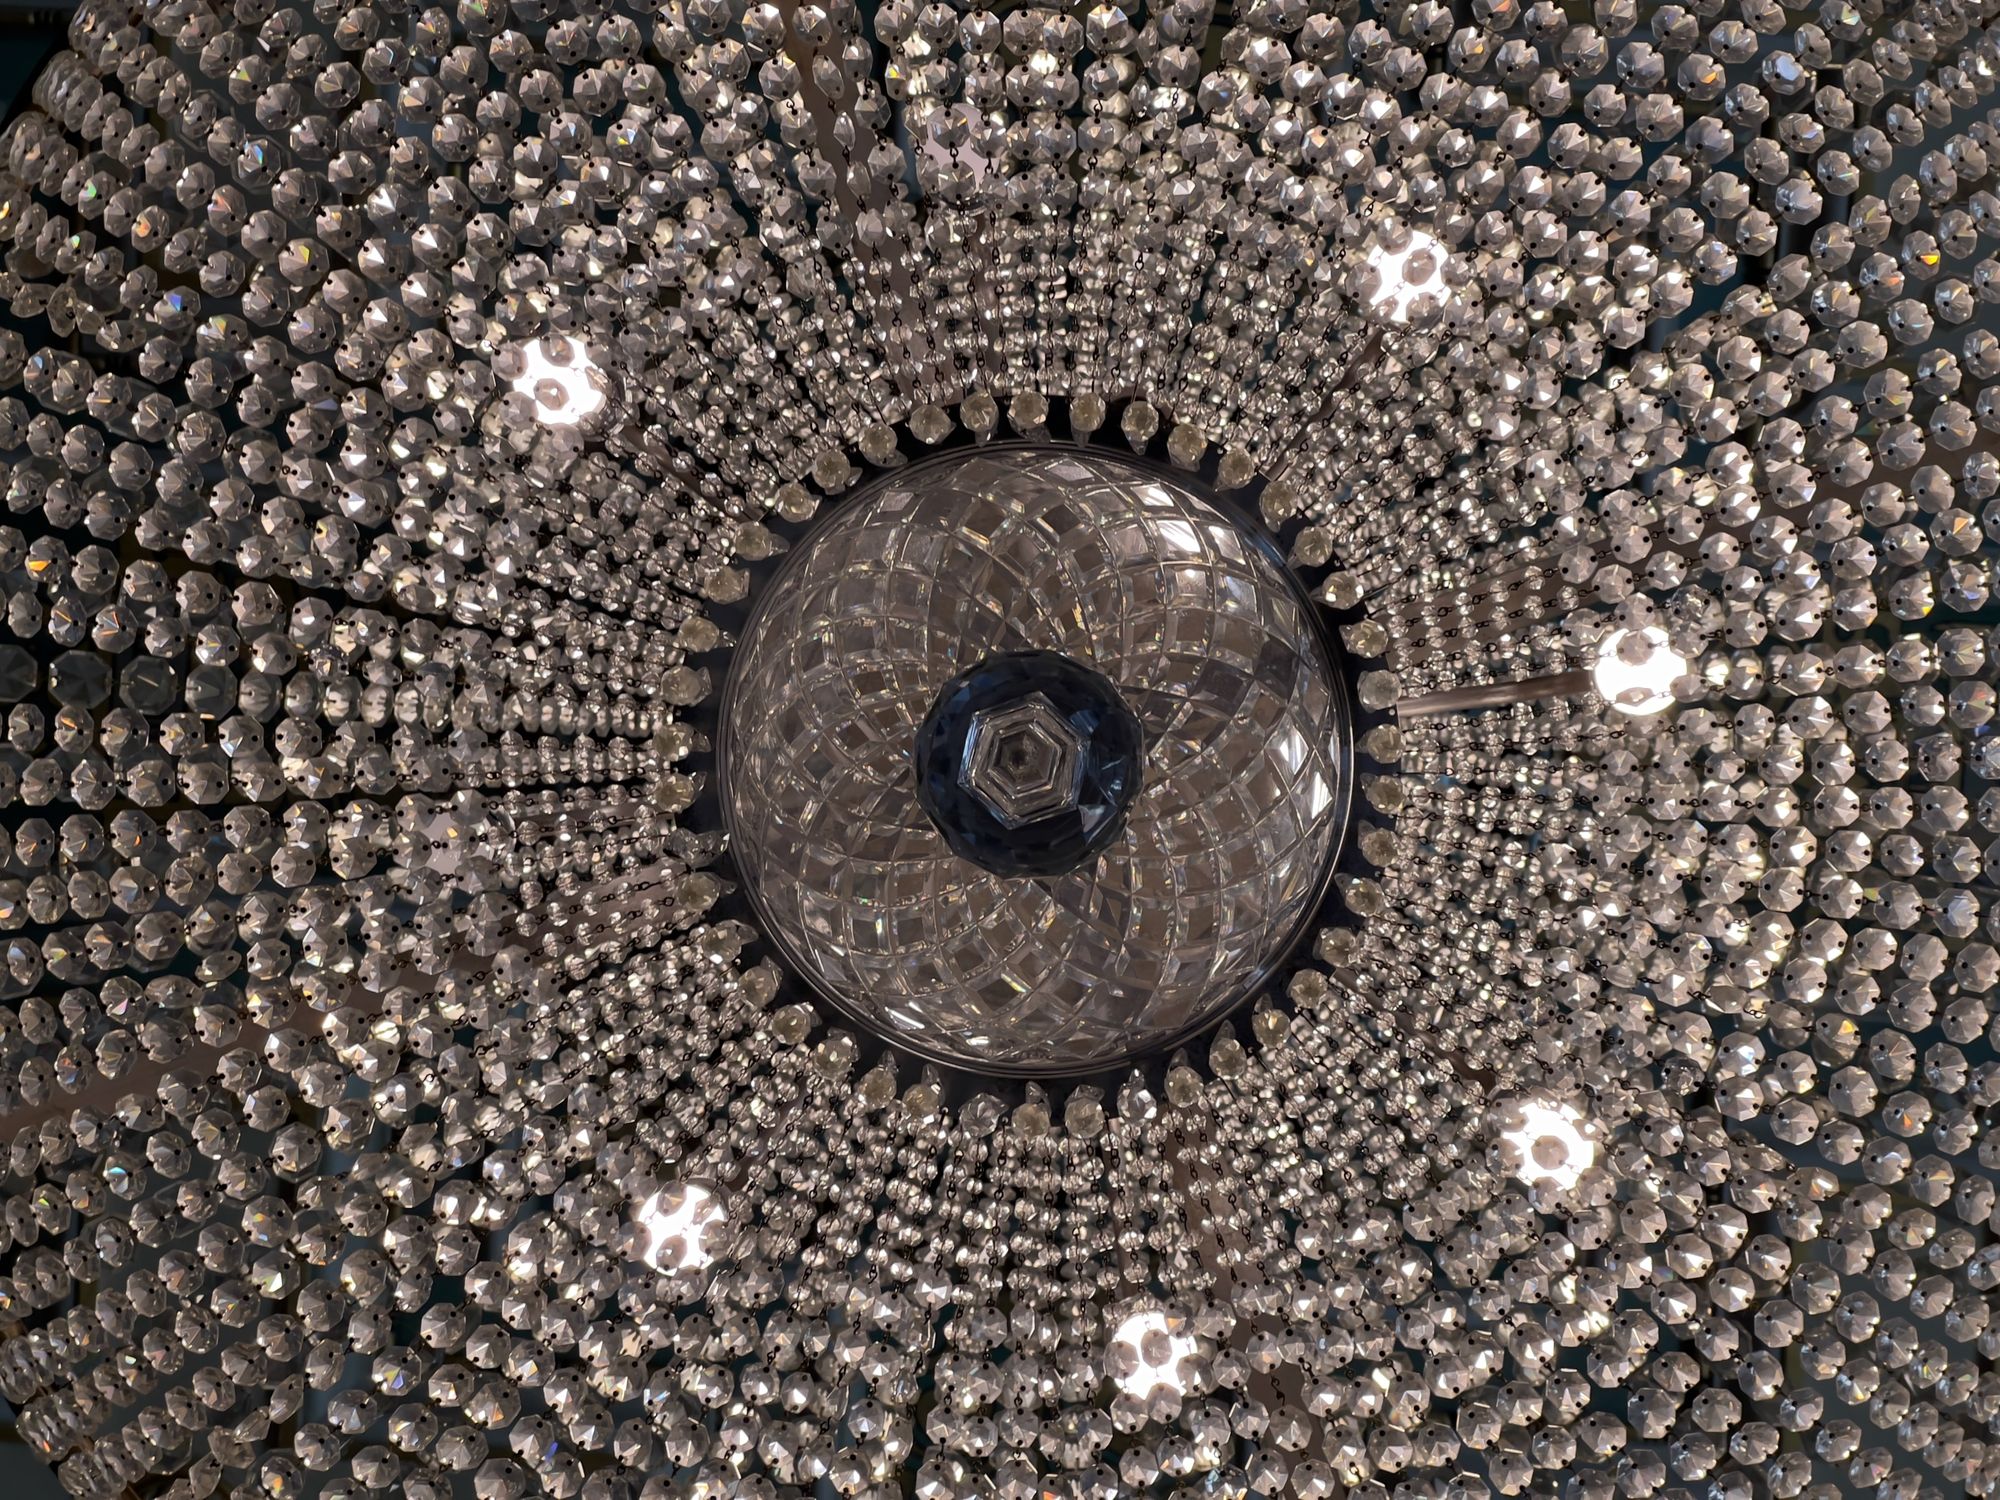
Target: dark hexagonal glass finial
x=1027 y=762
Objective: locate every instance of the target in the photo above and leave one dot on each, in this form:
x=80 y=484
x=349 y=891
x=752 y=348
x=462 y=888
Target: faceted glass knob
x=1027 y=763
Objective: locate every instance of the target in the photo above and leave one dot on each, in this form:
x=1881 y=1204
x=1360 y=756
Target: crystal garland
x=394 y=399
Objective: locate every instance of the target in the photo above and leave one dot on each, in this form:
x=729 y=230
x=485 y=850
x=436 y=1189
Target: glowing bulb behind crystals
x=1157 y=1352
x=1416 y=270
x=680 y=1221
x=1550 y=1142
x=1636 y=670
x=562 y=380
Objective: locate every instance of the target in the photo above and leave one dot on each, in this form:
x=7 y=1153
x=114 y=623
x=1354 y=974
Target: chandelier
x=759 y=750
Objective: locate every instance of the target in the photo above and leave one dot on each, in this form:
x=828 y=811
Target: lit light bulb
x=1158 y=1351
x=1636 y=670
x=679 y=1221
x=1550 y=1143
x=1416 y=270
x=561 y=379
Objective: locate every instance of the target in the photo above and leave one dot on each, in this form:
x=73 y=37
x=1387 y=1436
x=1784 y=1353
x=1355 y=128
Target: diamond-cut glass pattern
x=1207 y=640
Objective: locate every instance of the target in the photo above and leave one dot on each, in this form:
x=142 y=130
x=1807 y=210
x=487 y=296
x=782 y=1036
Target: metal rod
x=1493 y=695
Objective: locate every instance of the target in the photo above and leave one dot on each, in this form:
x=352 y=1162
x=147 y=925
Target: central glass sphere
x=1033 y=759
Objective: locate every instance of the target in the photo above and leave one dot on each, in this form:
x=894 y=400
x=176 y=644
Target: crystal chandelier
x=775 y=750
